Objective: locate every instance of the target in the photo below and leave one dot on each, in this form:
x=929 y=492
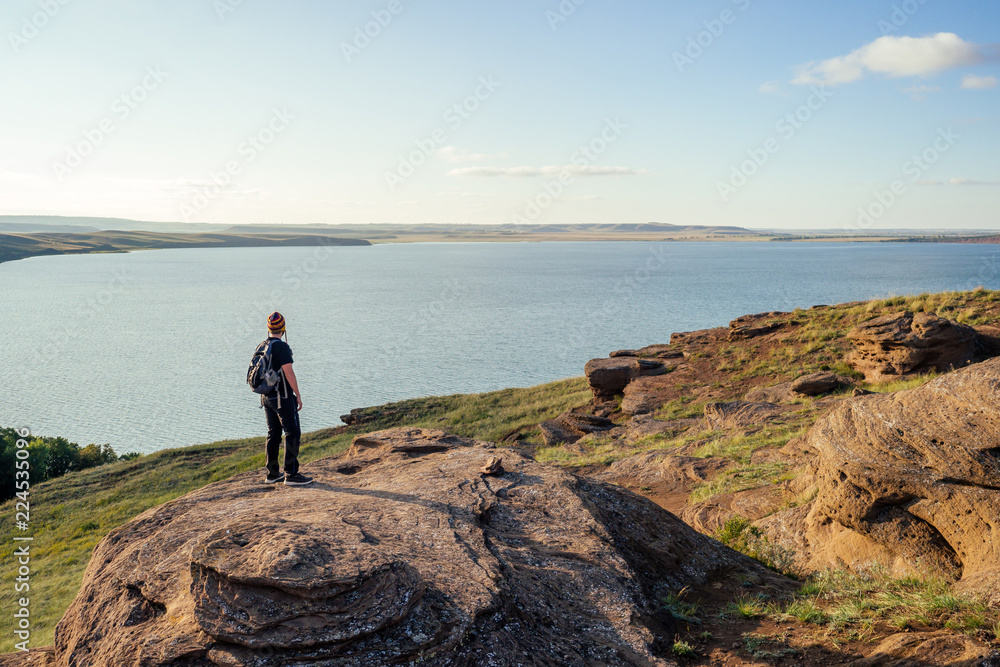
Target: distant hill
x=20 y=246
x=458 y=232
x=24 y=224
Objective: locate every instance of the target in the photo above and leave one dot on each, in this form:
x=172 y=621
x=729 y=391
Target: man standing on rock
x=281 y=407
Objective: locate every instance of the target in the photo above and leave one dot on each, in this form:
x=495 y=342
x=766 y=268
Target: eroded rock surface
x=911 y=479
x=401 y=551
x=571 y=426
x=919 y=649
x=740 y=414
x=905 y=343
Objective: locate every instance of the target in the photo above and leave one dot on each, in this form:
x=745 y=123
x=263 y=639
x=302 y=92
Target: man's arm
x=289 y=374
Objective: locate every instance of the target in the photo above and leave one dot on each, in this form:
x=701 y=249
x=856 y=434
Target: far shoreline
x=15 y=246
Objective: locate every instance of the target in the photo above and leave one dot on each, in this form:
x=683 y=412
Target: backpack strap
x=284 y=383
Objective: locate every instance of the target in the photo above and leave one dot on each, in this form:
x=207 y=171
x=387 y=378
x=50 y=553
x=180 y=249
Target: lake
x=149 y=350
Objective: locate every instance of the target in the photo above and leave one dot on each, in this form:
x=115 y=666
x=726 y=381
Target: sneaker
x=298 y=479
x=274 y=480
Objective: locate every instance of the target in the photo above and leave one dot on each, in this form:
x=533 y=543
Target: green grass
x=747 y=606
x=854 y=604
x=680 y=608
x=739 y=448
x=684 y=407
x=739 y=534
x=71 y=514
x=900 y=385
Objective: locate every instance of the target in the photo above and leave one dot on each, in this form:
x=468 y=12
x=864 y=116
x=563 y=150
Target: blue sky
x=849 y=115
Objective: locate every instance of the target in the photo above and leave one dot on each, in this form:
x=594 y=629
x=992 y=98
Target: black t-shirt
x=281 y=354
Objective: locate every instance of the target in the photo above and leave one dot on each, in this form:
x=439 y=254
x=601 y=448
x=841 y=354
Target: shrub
x=48 y=458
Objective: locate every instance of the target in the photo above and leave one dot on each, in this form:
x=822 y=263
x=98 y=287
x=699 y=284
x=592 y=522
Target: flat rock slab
x=401 y=551
x=822 y=382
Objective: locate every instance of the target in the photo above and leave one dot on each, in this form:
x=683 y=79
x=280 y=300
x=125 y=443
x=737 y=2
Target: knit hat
x=276 y=323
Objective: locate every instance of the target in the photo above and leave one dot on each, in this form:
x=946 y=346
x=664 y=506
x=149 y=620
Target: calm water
x=149 y=350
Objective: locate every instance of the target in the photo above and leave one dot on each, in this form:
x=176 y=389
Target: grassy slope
x=71 y=514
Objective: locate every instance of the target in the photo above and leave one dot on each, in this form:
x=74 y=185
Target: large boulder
x=911 y=479
x=401 y=552
x=609 y=377
x=905 y=344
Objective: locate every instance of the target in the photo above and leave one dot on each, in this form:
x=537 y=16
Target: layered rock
x=402 y=551
x=812 y=384
x=752 y=326
x=609 y=377
x=571 y=426
x=658 y=351
x=739 y=414
x=911 y=479
x=904 y=344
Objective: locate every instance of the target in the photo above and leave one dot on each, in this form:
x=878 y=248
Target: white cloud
x=973 y=82
x=457 y=155
x=769 y=87
x=552 y=170
x=894 y=57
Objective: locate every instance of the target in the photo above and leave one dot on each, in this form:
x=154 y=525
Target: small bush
x=747 y=606
x=684 y=650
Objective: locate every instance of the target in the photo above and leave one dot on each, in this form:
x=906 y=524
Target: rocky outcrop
x=904 y=344
x=571 y=426
x=657 y=351
x=911 y=479
x=778 y=393
x=675 y=474
x=708 y=516
x=752 y=326
x=609 y=377
x=815 y=384
x=919 y=649
x=739 y=414
x=812 y=384
x=401 y=552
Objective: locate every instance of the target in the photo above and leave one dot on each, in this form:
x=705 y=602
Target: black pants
x=284 y=418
